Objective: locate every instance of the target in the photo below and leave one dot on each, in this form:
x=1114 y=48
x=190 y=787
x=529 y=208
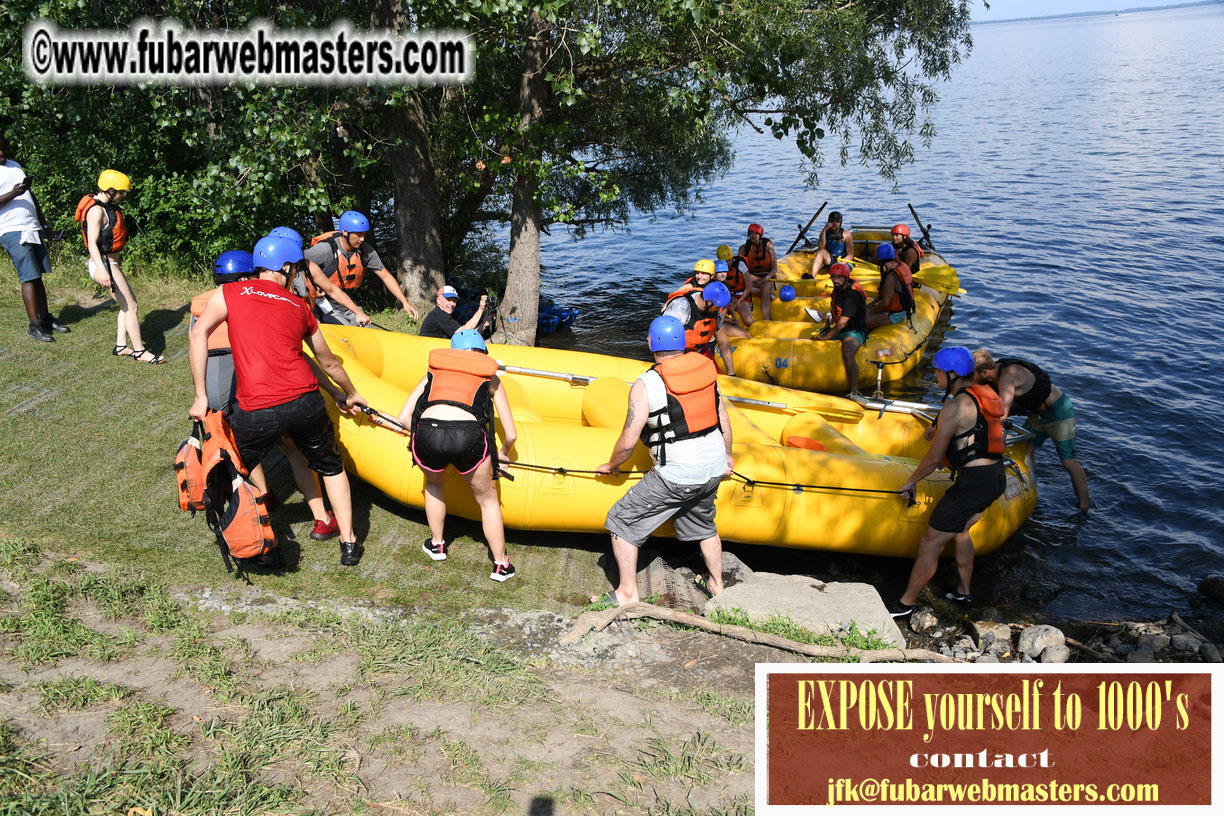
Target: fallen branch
x=1176 y=618
x=602 y=619
x=1100 y=656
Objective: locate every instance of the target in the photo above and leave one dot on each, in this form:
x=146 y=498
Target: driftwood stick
x=600 y=620
x=1176 y=618
x=1101 y=656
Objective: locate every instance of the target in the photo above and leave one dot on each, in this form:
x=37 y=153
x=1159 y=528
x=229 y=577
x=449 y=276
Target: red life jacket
x=692 y=402
x=112 y=236
x=189 y=471
x=760 y=258
x=987 y=432
x=700 y=328
x=908 y=243
x=903 y=298
x=350 y=269
x=735 y=278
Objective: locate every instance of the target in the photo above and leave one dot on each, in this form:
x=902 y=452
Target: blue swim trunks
x=1057 y=423
x=896 y=317
x=857 y=335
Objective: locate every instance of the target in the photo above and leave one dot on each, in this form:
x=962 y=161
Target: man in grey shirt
x=345 y=257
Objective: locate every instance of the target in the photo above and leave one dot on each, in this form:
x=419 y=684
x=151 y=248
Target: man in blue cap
x=344 y=255
x=676 y=411
x=441 y=323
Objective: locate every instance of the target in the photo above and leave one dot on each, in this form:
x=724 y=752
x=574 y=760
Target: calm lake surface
x=1077 y=183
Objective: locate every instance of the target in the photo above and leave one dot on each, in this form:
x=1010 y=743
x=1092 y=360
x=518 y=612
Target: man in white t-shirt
x=21 y=232
x=676 y=410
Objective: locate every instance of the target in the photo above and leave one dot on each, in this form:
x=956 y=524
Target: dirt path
x=360 y=707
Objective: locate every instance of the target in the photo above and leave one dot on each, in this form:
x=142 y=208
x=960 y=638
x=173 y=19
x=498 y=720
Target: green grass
x=695 y=762
x=142 y=730
x=735 y=710
x=77 y=693
x=103 y=432
x=22 y=769
x=784 y=626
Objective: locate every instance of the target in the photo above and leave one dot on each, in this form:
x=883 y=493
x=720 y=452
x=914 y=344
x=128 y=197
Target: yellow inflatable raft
x=817 y=471
x=783 y=351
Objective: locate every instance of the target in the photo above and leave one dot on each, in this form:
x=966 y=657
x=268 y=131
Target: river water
x=1076 y=184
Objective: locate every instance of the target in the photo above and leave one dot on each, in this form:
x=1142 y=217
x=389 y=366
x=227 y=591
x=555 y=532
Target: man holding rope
x=676 y=410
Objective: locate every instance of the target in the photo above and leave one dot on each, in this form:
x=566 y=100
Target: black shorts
x=437 y=443
x=975 y=489
x=303 y=419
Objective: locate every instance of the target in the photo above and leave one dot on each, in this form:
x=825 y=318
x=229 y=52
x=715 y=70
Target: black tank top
x=1031 y=400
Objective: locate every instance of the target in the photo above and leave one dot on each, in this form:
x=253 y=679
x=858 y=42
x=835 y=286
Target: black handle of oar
x=926 y=233
x=803 y=231
x=379 y=326
x=385 y=420
x=505 y=474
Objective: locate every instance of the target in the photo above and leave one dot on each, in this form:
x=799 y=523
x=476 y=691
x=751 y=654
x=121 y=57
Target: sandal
x=153 y=359
x=121 y=351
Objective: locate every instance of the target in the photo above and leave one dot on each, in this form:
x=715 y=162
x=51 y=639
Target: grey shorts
x=654 y=500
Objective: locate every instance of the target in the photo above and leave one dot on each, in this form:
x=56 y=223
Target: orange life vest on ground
x=987 y=433
x=692 y=402
x=112 y=236
x=218 y=338
x=760 y=258
x=350 y=269
x=700 y=328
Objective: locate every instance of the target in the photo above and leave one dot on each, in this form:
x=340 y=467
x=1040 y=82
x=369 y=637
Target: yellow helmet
x=705 y=266
x=725 y=253
x=113 y=180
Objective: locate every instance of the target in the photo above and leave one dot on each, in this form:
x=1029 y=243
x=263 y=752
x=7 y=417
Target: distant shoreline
x=1098 y=13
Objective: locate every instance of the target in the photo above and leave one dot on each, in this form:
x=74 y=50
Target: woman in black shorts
x=450 y=413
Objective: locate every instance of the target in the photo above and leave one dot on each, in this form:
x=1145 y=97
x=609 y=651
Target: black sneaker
x=350 y=553
x=502 y=572
x=435 y=551
x=58 y=328
x=898 y=609
x=38 y=334
x=966 y=599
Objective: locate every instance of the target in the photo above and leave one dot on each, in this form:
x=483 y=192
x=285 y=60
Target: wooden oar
x=803 y=231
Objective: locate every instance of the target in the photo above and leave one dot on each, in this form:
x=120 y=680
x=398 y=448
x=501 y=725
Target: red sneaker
x=322 y=532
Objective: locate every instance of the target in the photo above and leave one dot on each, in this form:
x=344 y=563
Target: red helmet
x=901 y=229
x=757 y=228
x=839 y=270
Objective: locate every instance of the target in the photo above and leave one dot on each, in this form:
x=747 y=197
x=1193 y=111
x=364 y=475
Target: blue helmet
x=468 y=340
x=885 y=252
x=956 y=359
x=232 y=265
x=666 y=334
x=286 y=232
x=721 y=266
x=786 y=294
x=717 y=294
x=273 y=252
x=353 y=221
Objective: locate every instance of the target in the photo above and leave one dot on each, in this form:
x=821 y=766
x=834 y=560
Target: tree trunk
x=420 y=266
x=519 y=312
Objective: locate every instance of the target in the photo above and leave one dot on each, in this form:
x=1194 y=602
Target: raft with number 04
x=817 y=471
x=784 y=351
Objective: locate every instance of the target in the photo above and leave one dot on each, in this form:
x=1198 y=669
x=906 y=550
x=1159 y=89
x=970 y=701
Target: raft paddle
x=926 y=235
x=949 y=285
x=803 y=231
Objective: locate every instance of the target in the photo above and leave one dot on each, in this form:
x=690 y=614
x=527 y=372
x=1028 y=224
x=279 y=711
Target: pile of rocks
x=983 y=637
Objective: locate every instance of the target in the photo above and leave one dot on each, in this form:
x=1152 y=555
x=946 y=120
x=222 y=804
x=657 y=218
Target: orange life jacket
x=189 y=471
x=987 y=432
x=700 y=328
x=910 y=243
x=692 y=402
x=735 y=278
x=219 y=444
x=903 y=298
x=112 y=236
x=350 y=269
x=760 y=258
x=306 y=291
x=462 y=378
x=218 y=338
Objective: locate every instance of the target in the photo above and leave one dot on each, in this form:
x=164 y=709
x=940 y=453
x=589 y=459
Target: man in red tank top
x=277 y=392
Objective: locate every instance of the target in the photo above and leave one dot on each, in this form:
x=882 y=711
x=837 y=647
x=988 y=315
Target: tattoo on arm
x=632 y=413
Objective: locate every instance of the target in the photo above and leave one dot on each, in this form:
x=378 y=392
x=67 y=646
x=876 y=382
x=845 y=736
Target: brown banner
x=981 y=738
